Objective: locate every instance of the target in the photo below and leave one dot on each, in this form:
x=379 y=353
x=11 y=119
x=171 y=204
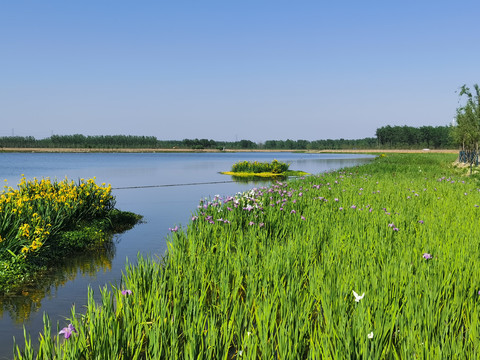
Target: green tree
x=467 y=130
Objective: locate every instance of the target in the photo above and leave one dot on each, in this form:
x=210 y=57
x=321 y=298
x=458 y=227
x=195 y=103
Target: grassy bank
x=44 y=221
x=377 y=261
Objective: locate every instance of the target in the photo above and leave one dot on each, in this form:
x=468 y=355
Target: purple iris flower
x=67 y=331
x=420 y=221
x=427 y=256
x=175 y=229
x=126 y=292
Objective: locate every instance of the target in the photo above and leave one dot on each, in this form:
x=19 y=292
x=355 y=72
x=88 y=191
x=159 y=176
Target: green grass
x=269 y=274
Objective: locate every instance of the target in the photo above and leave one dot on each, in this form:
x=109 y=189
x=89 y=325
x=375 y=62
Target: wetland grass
x=378 y=261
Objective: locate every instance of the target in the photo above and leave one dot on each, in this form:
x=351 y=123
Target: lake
x=163 y=187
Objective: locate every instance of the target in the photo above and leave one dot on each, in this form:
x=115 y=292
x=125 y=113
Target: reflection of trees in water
x=258 y=180
x=21 y=304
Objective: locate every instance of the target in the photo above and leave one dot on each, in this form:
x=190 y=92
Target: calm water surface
x=162 y=208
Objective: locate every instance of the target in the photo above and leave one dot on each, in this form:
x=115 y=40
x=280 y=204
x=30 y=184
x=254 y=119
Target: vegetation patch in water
x=256 y=169
x=43 y=221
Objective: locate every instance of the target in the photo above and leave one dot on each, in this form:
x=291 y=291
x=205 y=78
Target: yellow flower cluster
x=30 y=213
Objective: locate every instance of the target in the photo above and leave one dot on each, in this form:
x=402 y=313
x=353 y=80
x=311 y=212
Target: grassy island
x=44 y=221
x=378 y=261
x=252 y=169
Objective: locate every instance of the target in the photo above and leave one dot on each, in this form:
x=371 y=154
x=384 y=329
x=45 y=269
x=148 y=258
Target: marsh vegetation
x=376 y=261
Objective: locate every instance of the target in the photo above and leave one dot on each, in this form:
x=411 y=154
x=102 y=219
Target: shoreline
x=150 y=150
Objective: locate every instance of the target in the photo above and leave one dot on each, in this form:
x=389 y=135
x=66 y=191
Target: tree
x=467 y=129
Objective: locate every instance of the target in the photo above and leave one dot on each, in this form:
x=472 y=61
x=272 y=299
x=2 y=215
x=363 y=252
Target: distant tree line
x=387 y=137
x=436 y=137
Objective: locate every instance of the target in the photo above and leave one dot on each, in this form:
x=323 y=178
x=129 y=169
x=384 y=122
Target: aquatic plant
x=274 y=167
x=42 y=220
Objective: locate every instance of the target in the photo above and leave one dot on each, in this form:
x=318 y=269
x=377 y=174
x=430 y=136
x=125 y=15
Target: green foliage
x=467 y=130
x=42 y=221
x=437 y=137
x=255 y=167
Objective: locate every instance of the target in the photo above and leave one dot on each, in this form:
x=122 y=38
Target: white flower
x=357 y=297
x=370 y=336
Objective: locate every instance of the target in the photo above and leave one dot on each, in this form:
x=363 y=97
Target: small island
x=252 y=169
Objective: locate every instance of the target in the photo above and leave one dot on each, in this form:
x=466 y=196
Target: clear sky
x=233 y=69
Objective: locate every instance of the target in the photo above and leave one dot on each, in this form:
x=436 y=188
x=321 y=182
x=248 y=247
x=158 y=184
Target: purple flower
x=175 y=229
x=478 y=292
x=427 y=256
x=420 y=221
x=340 y=208
x=261 y=224
x=353 y=207
x=302 y=217
x=126 y=292
x=336 y=199
x=194 y=218
x=251 y=223
x=67 y=331
x=293 y=212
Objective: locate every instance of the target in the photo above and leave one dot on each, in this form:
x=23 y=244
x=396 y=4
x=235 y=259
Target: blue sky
x=228 y=70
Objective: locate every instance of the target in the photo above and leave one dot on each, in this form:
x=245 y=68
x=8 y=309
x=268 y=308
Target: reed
x=271 y=274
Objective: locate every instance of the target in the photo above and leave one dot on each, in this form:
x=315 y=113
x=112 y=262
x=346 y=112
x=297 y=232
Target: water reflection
x=257 y=180
x=21 y=304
